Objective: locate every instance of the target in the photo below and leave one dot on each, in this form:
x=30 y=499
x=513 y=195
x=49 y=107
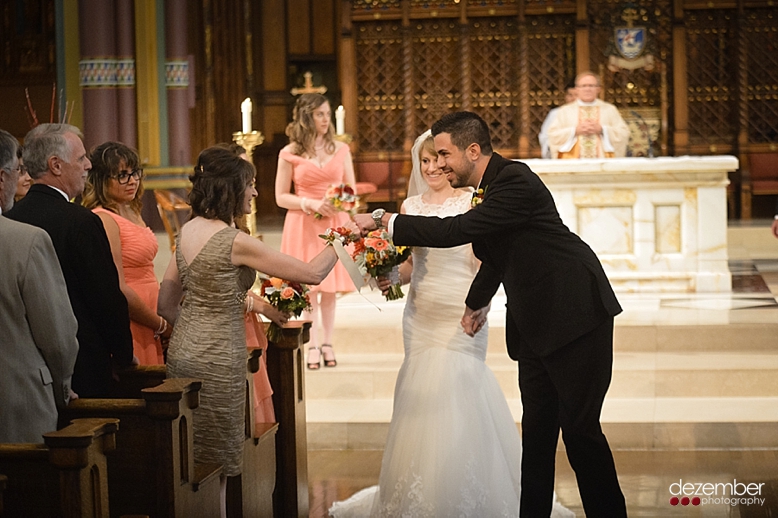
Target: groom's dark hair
x=465 y=128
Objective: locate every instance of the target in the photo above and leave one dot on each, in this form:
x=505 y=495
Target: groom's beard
x=462 y=178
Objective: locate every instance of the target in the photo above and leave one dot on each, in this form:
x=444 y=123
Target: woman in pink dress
x=113 y=192
x=313 y=161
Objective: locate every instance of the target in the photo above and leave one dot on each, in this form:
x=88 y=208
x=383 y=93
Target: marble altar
x=657 y=224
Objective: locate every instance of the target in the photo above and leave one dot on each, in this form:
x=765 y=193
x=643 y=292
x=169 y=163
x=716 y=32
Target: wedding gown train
x=453 y=448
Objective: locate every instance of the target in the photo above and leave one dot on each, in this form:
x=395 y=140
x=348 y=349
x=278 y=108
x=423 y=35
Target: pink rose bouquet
x=342 y=197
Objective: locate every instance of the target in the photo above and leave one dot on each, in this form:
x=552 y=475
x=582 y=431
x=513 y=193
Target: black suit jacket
x=556 y=288
x=93 y=285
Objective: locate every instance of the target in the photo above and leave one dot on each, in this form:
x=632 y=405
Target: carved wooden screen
x=380 y=85
x=711 y=49
x=761 y=37
x=640 y=88
x=494 y=77
x=550 y=66
x=436 y=78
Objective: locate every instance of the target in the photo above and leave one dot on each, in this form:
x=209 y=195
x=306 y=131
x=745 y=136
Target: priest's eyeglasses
x=124 y=176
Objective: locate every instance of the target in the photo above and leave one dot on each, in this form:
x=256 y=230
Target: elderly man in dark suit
x=559 y=323
x=37 y=325
x=56 y=159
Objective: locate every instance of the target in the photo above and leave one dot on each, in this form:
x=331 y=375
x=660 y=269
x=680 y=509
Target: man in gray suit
x=38 y=344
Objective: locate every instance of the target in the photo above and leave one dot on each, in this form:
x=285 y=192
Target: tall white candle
x=340 y=120
x=245 y=110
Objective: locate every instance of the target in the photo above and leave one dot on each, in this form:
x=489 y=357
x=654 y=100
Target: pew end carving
x=65 y=476
x=153 y=471
x=285 y=365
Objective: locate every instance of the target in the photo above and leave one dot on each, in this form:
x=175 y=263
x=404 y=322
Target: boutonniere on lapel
x=478 y=197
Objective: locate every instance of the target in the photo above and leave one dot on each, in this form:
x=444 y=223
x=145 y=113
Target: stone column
x=177 y=82
x=97 y=71
x=126 y=121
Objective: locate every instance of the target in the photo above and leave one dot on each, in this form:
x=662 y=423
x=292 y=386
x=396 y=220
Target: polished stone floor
x=645 y=478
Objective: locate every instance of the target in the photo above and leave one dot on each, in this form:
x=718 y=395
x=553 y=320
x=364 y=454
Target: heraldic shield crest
x=632 y=46
x=630 y=41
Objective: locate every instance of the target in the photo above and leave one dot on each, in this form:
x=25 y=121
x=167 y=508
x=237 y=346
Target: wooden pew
x=153 y=471
x=66 y=476
x=285 y=366
x=251 y=493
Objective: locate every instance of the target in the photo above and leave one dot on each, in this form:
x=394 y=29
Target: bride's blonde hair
x=424 y=142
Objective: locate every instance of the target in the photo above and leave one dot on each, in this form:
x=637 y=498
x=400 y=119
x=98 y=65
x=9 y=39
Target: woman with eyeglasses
x=113 y=191
x=25 y=181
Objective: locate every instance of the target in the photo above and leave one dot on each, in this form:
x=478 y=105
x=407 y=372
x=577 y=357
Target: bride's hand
x=384 y=283
x=474 y=319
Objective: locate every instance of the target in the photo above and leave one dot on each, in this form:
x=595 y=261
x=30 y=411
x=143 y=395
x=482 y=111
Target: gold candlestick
x=249 y=141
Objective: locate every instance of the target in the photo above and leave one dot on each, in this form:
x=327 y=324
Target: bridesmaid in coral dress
x=113 y=192
x=313 y=161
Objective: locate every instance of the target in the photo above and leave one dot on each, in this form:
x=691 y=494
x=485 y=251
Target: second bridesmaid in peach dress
x=113 y=192
x=313 y=161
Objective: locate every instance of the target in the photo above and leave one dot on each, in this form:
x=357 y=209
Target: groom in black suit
x=559 y=323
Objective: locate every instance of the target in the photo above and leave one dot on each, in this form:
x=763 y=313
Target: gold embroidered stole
x=589 y=143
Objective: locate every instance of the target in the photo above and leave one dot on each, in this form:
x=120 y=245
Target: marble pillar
x=97 y=71
x=126 y=122
x=177 y=82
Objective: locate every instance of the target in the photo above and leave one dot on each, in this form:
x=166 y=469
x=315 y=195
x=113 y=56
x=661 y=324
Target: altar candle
x=245 y=110
x=340 y=120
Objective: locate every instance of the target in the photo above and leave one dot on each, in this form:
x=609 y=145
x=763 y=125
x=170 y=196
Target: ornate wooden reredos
x=406 y=62
x=397 y=65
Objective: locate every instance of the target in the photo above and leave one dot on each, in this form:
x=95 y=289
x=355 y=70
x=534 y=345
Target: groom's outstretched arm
x=507 y=206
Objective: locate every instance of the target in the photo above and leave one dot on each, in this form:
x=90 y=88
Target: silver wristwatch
x=378 y=214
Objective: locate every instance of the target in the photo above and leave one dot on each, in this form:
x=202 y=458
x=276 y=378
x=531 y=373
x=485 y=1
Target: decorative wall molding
x=177 y=74
x=106 y=72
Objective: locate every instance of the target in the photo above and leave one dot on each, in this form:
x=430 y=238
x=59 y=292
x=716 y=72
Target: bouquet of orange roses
x=378 y=256
x=288 y=297
x=342 y=197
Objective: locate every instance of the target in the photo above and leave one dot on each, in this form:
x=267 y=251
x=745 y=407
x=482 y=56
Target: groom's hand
x=365 y=223
x=474 y=319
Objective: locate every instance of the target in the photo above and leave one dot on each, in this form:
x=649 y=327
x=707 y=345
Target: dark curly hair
x=106 y=161
x=218 y=184
x=465 y=128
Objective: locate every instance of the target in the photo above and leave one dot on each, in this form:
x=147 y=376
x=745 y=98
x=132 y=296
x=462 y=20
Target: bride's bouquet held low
x=377 y=255
x=374 y=255
x=287 y=297
x=342 y=197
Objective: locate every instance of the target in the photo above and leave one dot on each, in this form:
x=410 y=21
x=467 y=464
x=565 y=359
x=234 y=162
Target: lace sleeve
x=414 y=206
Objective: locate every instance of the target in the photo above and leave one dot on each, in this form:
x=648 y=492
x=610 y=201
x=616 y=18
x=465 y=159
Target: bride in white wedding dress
x=453 y=448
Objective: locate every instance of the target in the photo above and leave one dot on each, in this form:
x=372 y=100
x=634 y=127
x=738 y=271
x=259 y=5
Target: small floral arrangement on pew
x=342 y=197
x=287 y=297
x=378 y=256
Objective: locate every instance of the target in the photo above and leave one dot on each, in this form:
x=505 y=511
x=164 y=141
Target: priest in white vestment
x=588 y=127
x=570 y=96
